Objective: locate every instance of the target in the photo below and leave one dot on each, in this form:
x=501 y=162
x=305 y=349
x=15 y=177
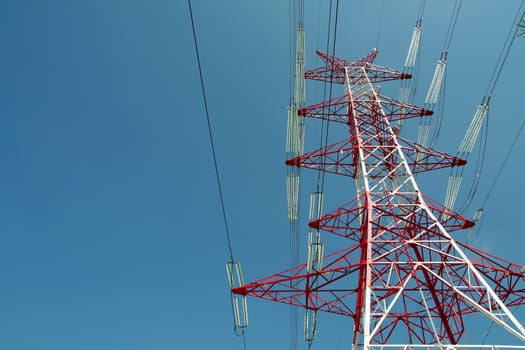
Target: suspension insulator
x=239 y=304
x=310 y=325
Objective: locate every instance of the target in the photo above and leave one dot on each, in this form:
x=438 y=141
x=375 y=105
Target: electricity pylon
x=405 y=281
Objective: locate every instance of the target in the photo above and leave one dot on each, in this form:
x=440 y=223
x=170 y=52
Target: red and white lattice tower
x=403 y=278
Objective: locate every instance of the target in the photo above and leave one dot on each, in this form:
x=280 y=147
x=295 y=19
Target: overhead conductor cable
x=295 y=143
x=233 y=268
x=478 y=121
x=407 y=91
x=436 y=87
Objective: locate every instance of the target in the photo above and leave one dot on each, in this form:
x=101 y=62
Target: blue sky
x=112 y=232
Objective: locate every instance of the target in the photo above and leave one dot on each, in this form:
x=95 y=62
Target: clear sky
x=112 y=235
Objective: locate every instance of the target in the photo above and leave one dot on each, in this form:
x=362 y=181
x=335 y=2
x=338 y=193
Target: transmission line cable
x=421 y=8
x=503 y=163
x=217 y=177
x=210 y=134
x=521 y=26
x=511 y=35
x=326 y=132
x=452 y=25
x=408 y=88
x=295 y=142
x=495 y=181
x=315 y=247
x=437 y=86
x=321 y=141
x=476 y=124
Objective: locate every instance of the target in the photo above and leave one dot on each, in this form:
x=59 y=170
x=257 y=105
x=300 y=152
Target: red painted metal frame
x=336 y=109
x=333 y=71
x=345 y=220
x=403 y=271
x=341 y=157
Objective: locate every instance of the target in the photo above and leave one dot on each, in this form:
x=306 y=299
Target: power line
x=511 y=35
x=214 y=156
x=478 y=121
x=421 y=9
x=321 y=175
x=210 y=134
x=452 y=25
x=504 y=53
x=436 y=89
x=494 y=81
x=295 y=143
x=321 y=142
x=503 y=163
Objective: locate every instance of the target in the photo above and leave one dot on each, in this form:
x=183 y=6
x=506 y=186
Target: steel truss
x=403 y=276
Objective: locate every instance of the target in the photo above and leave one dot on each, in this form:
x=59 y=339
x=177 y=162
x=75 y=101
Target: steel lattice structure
x=402 y=276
